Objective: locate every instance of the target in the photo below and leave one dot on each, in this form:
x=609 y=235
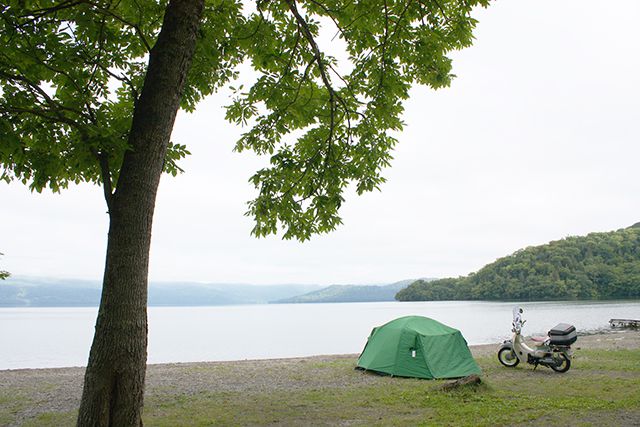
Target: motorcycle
x=553 y=351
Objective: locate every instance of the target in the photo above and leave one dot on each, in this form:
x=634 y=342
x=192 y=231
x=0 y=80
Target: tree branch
x=324 y=75
x=105 y=175
x=40 y=113
x=34 y=89
x=39 y=13
x=136 y=27
x=330 y=15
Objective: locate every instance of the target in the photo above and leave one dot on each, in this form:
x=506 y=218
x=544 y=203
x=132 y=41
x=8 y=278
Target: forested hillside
x=596 y=266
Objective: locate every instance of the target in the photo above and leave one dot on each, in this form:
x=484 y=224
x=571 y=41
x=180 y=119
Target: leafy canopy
x=71 y=71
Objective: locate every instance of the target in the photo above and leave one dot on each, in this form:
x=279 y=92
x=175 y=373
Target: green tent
x=416 y=346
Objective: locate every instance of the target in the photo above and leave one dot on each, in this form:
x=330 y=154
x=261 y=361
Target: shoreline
x=615 y=338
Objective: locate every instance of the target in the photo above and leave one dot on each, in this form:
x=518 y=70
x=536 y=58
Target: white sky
x=537 y=139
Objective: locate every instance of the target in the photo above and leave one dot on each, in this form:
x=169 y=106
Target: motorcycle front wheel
x=507 y=357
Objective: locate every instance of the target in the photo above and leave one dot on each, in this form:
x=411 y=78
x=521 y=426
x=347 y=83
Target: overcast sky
x=537 y=139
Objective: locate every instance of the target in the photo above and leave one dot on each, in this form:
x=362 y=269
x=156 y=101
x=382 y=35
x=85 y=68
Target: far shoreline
x=196 y=305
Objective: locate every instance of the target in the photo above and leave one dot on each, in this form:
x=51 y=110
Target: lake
x=58 y=337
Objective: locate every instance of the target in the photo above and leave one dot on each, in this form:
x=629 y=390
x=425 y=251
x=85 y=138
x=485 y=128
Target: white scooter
x=553 y=351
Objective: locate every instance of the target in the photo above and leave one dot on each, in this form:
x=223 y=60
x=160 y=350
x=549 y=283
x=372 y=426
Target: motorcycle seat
x=539 y=339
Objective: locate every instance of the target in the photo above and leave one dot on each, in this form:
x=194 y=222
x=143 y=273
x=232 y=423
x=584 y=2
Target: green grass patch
x=608 y=360
x=12 y=401
x=602 y=388
x=53 y=419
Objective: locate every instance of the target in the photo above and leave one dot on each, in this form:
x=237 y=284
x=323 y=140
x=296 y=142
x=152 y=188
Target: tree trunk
x=114 y=379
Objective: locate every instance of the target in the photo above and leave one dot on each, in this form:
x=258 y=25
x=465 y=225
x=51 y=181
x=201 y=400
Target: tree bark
x=114 y=379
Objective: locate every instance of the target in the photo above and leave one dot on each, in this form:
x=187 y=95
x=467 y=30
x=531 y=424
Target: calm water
x=56 y=337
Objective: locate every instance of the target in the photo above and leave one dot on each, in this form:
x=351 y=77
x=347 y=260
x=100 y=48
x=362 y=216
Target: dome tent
x=416 y=346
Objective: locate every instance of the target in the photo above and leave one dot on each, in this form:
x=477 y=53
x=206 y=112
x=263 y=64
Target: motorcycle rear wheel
x=508 y=357
x=563 y=365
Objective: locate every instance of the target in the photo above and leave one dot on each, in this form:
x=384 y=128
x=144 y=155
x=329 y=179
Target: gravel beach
x=58 y=390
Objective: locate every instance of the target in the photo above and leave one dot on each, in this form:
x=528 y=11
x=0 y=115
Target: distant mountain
x=24 y=292
x=350 y=293
x=187 y=294
x=42 y=292
x=595 y=266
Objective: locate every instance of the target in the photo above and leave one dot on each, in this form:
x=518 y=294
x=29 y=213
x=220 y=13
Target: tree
x=4 y=274
x=90 y=90
x=595 y=266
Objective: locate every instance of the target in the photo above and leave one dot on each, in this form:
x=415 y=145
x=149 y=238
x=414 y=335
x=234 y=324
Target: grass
x=12 y=402
x=602 y=388
x=53 y=419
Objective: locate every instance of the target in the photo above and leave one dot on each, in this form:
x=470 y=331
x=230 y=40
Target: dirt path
x=58 y=390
